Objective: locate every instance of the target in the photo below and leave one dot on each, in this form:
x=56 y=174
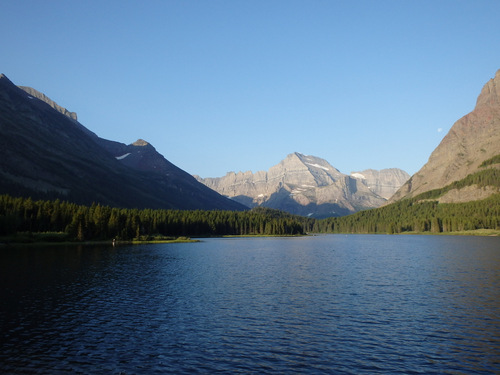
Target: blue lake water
x=323 y=304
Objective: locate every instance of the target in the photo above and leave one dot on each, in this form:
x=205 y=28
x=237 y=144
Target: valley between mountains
x=63 y=159
x=47 y=154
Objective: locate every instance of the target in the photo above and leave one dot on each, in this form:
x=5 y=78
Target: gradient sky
x=220 y=86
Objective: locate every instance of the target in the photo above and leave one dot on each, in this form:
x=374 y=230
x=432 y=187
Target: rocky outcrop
x=467 y=194
x=384 y=182
x=471 y=140
x=300 y=184
x=32 y=93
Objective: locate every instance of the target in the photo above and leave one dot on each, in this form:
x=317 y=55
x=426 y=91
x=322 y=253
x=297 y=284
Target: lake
x=341 y=304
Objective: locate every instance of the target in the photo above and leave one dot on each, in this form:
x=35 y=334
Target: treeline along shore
x=61 y=220
x=420 y=216
x=82 y=223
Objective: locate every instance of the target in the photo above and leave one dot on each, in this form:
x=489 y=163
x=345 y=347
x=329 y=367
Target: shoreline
x=98 y=242
x=5 y=242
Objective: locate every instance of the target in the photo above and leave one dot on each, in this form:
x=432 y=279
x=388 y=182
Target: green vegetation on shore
x=40 y=238
x=23 y=220
x=424 y=214
x=68 y=221
x=420 y=216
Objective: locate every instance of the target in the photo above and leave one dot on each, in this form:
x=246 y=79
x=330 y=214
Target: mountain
x=384 y=182
x=32 y=93
x=305 y=185
x=47 y=153
x=470 y=148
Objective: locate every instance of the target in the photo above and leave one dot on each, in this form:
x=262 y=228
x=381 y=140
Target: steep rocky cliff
x=301 y=184
x=472 y=139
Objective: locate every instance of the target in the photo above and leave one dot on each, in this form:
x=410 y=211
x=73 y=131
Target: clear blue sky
x=220 y=86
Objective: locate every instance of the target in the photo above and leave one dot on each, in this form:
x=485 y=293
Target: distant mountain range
x=471 y=147
x=309 y=186
x=46 y=153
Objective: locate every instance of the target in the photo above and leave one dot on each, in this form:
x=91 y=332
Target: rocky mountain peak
x=490 y=94
x=300 y=184
x=471 y=140
x=4 y=78
x=320 y=167
x=8 y=84
x=140 y=142
x=313 y=162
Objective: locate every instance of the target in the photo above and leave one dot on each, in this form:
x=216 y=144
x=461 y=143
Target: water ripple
x=326 y=304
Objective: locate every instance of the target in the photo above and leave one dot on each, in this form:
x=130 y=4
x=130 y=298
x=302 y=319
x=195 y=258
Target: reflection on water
x=341 y=304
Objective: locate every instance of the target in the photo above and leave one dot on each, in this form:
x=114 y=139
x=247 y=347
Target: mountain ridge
x=47 y=153
x=300 y=184
x=37 y=94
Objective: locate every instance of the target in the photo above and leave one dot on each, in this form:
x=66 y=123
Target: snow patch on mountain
x=318 y=166
x=358 y=175
x=123 y=156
